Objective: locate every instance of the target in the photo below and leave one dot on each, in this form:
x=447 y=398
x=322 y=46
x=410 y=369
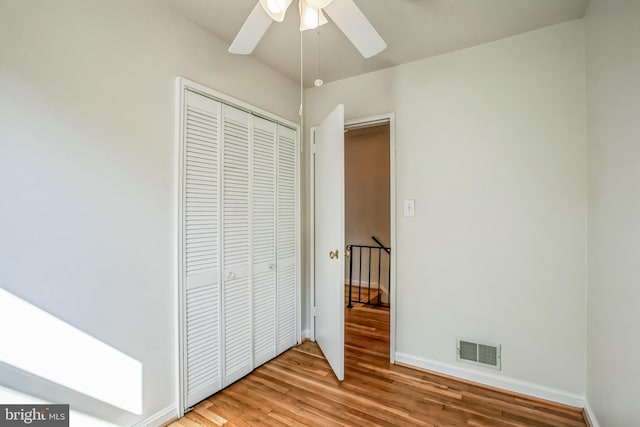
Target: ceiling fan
x=344 y=13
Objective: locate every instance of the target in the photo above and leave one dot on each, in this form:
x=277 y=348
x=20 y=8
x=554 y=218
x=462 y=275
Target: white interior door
x=201 y=248
x=329 y=239
x=263 y=237
x=287 y=239
x=236 y=250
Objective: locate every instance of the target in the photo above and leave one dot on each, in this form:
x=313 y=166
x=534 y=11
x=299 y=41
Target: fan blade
x=356 y=27
x=251 y=32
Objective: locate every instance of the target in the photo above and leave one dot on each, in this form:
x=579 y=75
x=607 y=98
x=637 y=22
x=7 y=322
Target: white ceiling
x=413 y=29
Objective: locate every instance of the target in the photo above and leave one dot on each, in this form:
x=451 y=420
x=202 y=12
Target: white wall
x=491 y=144
x=613 y=111
x=87 y=172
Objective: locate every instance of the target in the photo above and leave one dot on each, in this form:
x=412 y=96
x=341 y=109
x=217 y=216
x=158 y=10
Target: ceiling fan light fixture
x=310 y=17
x=276 y=9
x=345 y=14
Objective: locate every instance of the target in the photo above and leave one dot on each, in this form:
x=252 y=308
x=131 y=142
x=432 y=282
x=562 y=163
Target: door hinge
x=313 y=147
x=313 y=311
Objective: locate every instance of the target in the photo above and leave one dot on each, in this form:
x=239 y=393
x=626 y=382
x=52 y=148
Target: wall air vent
x=478 y=353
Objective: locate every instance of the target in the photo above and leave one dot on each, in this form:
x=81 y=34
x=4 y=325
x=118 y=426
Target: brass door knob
x=333 y=254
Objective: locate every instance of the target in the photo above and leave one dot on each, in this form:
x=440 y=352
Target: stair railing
x=374 y=256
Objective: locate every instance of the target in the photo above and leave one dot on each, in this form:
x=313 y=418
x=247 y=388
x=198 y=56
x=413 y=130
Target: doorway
x=367 y=160
x=326 y=186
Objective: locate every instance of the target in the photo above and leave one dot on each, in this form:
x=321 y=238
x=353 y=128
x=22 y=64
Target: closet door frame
x=182 y=85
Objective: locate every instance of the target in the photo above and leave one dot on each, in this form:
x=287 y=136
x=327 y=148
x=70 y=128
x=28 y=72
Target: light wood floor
x=299 y=389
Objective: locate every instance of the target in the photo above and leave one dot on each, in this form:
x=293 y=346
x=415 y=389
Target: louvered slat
x=263 y=210
x=201 y=248
x=235 y=243
x=286 y=240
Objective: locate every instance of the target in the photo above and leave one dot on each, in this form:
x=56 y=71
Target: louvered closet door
x=201 y=283
x=235 y=244
x=286 y=239
x=263 y=208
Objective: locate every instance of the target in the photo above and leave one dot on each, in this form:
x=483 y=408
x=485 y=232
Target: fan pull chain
x=301 y=109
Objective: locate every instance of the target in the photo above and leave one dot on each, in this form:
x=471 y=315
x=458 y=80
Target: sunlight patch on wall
x=43 y=345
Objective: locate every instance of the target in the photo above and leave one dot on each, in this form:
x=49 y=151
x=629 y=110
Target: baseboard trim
x=590 y=415
x=494 y=381
x=306 y=334
x=161 y=418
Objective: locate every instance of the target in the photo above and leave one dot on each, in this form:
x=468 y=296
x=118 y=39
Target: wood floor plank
x=298 y=388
